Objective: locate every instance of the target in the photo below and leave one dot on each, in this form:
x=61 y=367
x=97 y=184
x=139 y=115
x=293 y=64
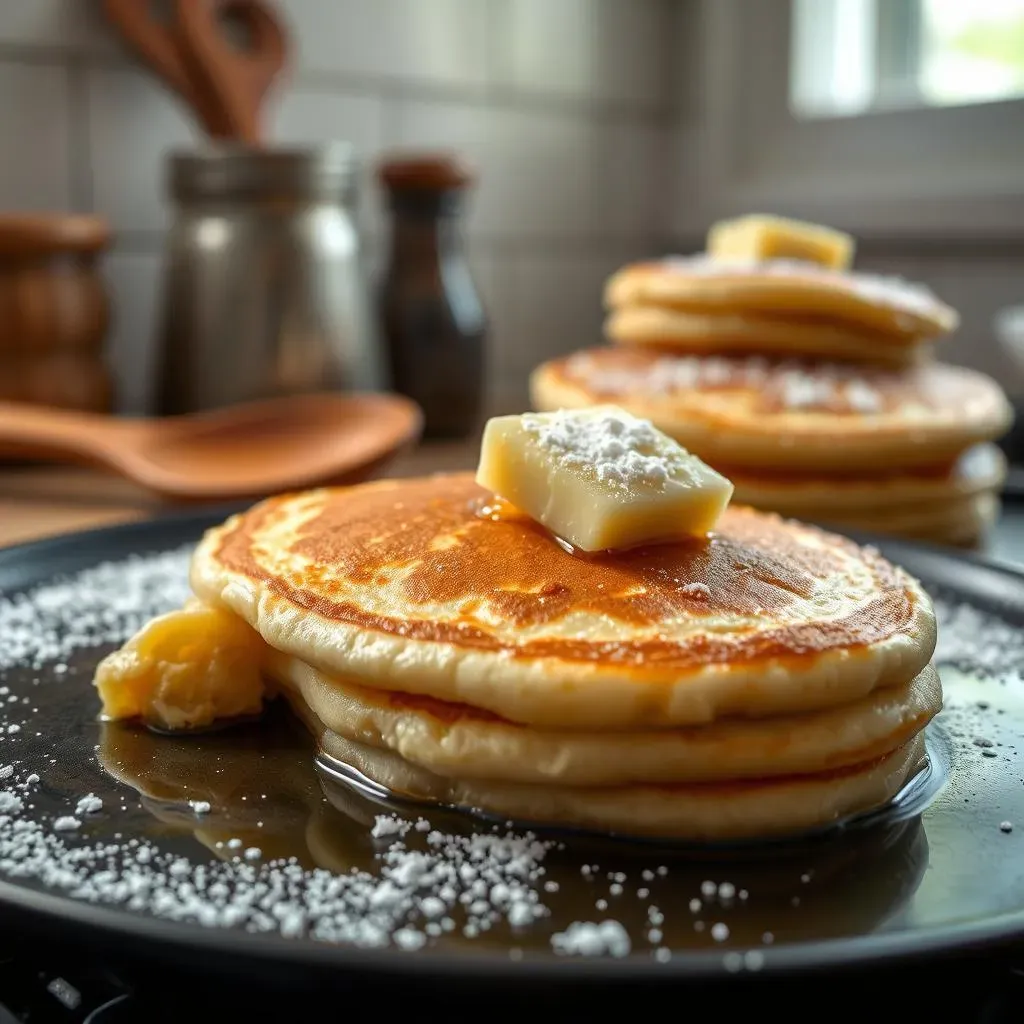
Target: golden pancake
x=783 y=287
x=964 y=521
x=675 y=330
x=832 y=418
x=404 y=585
x=696 y=811
x=458 y=741
x=980 y=470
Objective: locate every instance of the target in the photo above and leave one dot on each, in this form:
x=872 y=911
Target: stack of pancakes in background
x=774 y=681
x=812 y=386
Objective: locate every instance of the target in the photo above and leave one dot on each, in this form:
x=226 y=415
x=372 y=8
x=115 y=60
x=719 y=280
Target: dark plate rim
x=39 y=909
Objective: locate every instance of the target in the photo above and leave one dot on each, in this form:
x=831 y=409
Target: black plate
x=949 y=881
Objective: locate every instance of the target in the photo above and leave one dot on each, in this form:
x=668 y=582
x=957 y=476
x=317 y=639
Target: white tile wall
x=132 y=123
x=537 y=175
x=555 y=308
x=605 y=48
x=133 y=281
x=977 y=287
x=560 y=102
x=65 y=24
x=439 y=41
x=304 y=116
x=35 y=124
x=633 y=173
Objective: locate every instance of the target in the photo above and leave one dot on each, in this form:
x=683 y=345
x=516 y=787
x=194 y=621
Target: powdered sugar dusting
x=978 y=642
x=585 y=938
x=423 y=883
x=102 y=605
x=618 y=448
x=789 y=384
x=424 y=878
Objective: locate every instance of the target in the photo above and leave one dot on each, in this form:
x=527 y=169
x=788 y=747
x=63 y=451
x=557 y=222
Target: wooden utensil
x=237 y=80
x=223 y=86
x=159 y=45
x=53 y=310
x=242 y=451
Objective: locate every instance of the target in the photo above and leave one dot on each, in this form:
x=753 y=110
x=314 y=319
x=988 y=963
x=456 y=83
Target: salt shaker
x=431 y=318
x=264 y=292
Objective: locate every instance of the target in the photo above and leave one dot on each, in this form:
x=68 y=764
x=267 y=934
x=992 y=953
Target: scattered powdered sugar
x=619 y=448
x=585 y=938
x=977 y=641
x=669 y=374
x=861 y=397
x=89 y=804
x=105 y=604
x=424 y=883
x=828 y=388
x=488 y=878
x=802 y=390
x=794 y=385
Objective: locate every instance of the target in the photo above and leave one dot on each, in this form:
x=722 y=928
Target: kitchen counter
x=41 y=501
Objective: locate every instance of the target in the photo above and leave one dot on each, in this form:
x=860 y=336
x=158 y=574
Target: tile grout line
x=80 y=137
x=496 y=18
x=490 y=94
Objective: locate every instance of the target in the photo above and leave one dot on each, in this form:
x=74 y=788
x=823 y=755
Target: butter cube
x=761 y=237
x=185 y=669
x=600 y=479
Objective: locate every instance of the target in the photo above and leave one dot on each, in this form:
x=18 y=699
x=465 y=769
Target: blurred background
x=593 y=133
x=603 y=130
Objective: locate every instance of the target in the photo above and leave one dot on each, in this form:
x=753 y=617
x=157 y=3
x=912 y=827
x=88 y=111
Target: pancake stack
x=771 y=680
x=815 y=390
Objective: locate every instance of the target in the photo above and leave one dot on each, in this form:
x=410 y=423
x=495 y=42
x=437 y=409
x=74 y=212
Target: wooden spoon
x=237 y=80
x=160 y=46
x=243 y=451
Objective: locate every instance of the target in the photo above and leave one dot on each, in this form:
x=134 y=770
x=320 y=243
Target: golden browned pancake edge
x=835 y=419
x=782 y=288
x=683 y=331
x=401 y=585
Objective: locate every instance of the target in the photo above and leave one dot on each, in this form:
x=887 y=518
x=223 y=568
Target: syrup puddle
x=270 y=790
x=909 y=802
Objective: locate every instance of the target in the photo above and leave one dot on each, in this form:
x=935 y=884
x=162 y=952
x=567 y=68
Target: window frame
x=928 y=171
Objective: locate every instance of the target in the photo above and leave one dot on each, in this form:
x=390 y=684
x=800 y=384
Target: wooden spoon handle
x=160 y=47
x=238 y=79
x=55 y=434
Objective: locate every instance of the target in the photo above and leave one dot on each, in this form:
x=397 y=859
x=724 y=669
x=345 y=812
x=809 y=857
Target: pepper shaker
x=432 y=321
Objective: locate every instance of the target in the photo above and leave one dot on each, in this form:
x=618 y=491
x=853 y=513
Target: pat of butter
x=760 y=237
x=185 y=669
x=600 y=478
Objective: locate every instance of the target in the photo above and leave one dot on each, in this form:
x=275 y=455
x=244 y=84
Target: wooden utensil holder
x=54 y=312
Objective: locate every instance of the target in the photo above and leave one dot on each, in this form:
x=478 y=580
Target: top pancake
x=402 y=585
x=745 y=411
x=783 y=287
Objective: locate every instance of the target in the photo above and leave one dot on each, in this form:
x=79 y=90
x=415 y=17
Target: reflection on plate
x=265 y=792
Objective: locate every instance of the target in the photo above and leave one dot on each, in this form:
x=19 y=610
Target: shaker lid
x=236 y=172
x=34 y=234
x=425 y=171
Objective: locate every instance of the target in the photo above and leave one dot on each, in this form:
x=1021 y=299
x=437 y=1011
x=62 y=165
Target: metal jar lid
x=225 y=172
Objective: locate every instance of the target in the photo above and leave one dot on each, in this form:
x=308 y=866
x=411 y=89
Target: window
x=855 y=56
